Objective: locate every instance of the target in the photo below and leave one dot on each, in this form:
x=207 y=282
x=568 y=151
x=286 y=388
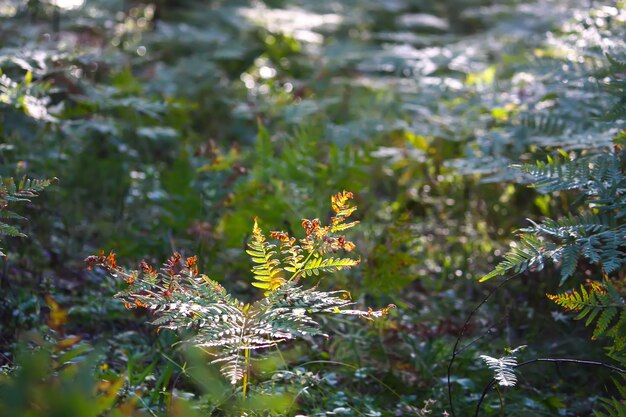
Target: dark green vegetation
x=171 y=126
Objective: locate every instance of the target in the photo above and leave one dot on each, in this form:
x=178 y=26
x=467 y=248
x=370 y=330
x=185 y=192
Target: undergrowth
x=172 y=125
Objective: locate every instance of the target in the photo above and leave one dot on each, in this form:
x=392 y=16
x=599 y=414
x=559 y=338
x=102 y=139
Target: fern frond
x=573 y=226
x=293 y=259
x=233 y=367
x=601 y=303
x=503 y=369
x=550 y=124
x=290 y=310
x=343 y=226
x=611 y=407
x=309 y=255
x=340 y=204
x=617 y=65
x=598 y=177
x=597 y=237
x=22 y=190
x=8 y=230
x=317 y=265
x=569 y=256
x=268 y=273
x=12 y=192
x=614 y=407
x=7 y=214
x=604 y=321
x=612 y=255
x=558 y=175
x=530 y=251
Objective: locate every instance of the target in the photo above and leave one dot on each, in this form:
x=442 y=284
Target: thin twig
x=482 y=336
x=455 y=350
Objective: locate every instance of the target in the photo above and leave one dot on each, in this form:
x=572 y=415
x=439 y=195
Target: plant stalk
x=245 y=372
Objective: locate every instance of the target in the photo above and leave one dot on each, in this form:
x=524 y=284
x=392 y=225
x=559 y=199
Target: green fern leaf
x=569 y=261
x=7 y=214
x=604 y=321
x=268 y=273
x=8 y=230
x=317 y=265
x=12 y=192
x=616 y=64
x=529 y=251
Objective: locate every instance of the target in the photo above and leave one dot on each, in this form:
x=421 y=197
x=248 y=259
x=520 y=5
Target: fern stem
x=245 y=372
x=501 y=401
x=295 y=274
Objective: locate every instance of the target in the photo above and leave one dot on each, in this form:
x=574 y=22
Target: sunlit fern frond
x=598 y=234
x=598 y=176
x=600 y=303
x=181 y=301
x=340 y=204
x=317 y=265
x=233 y=366
x=565 y=242
x=530 y=251
x=573 y=226
x=293 y=308
x=594 y=236
x=240 y=332
x=267 y=273
x=503 y=369
x=293 y=259
x=558 y=175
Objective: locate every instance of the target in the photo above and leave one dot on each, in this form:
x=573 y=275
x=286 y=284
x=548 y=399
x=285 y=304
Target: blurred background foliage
x=172 y=124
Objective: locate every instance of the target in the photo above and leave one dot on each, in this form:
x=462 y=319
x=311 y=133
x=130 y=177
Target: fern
x=503 y=369
x=545 y=124
x=602 y=304
x=14 y=192
x=597 y=235
x=307 y=256
x=317 y=265
x=267 y=273
x=596 y=175
x=182 y=299
x=530 y=251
